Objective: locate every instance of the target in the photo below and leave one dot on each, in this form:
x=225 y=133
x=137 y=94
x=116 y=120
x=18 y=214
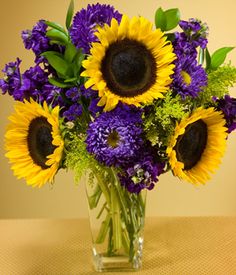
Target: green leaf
x=57 y=35
x=78 y=62
x=58 y=83
x=160 y=19
x=172 y=18
x=70 y=13
x=208 y=59
x=52 y=42
x=70 y=52
x=219 y=56
x=55 y=26
x=57 y=62
x=70 y=80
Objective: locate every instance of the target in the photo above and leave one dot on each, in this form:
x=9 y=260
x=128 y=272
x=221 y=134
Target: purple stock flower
x=114 y=138
x=12 y=79
x=87 y=20
x=73 y=112
x=228 y=106
x=94 y=109
x=32 y=83
x=35 y=84
x=73 y=94
x=189 y=77
x=73 y=108
x=195 y=31
x=37 y=40
x=182 y=47
x=143 y=174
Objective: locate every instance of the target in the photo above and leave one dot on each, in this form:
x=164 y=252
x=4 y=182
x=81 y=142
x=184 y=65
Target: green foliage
x=218 y=57
x=167 y=20
x=219 y=82
x=68 y=66
x=215 y=60
x=79 y=160
x=58 y=36
x=160 y=122
x=77 y=157
x=70 y=13
x=55 y=26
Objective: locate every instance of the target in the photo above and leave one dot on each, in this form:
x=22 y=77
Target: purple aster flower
x=114 y=138
x=143 y=174
x=228 y=106
x=195 y=31
x=189 y=77
x=12 y=78
x=86 y=21
x=37 y=40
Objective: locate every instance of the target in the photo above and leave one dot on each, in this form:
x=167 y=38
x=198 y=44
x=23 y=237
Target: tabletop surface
x=173 y=245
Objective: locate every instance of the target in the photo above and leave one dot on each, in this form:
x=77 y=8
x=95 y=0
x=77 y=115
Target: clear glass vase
x=117 y=222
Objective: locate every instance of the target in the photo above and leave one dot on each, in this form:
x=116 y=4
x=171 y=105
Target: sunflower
x=33 y=142
x=131 y=63
x=197 y=145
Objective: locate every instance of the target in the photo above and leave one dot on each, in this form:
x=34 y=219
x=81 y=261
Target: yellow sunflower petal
x=210 y=158
x=24 y=162
x=136 y=30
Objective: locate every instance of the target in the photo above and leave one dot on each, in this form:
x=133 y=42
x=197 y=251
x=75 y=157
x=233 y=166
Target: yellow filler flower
x=197 y=145
x=33 y=142
x=131 y=63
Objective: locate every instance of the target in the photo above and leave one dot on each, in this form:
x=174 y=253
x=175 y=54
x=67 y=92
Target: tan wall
x=170 y=197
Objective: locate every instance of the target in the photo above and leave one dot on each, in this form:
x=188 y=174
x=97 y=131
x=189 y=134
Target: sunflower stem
x=103 y=229
x=116 y=221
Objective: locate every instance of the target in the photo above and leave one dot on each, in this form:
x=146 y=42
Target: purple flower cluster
x=74 y=97
x=32 y=83
x=12 y=78
x=114 y=138
x=189 y=77
x=195 y=32
x=87 y=20
x=228 y=106
x=75 y=109
x=143 y=174
x=37 y=40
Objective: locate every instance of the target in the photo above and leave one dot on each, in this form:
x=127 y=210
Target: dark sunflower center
x=190 y=146
x=113 y=139
x=128 y=68
x=39 y=141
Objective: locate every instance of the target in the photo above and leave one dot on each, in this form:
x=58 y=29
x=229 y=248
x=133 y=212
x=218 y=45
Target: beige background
x=170 y=197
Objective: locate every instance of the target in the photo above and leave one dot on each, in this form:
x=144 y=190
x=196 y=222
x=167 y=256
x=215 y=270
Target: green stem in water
x=103 y=229
x=101 y=211
x=116 y=221
x=103 y=186
x=121 y=197
x=125 y=238
x=94 y=198
x=110 y=240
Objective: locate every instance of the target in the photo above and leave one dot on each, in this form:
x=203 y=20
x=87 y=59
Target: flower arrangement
x=123 y=102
